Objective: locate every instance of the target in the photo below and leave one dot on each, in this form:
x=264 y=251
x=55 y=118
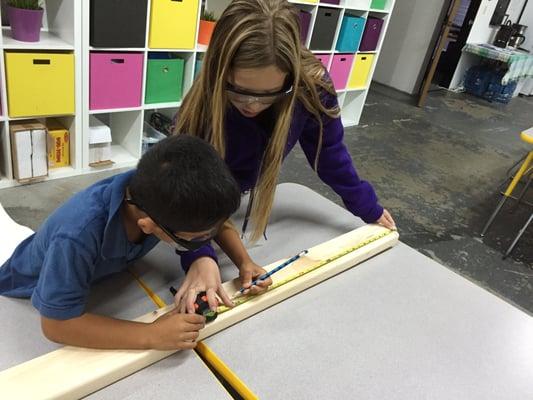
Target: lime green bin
x=164 y=80
x=378 y=4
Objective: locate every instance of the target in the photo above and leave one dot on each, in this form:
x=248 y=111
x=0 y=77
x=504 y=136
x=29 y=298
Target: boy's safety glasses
x=180 y=244
x=246 y=97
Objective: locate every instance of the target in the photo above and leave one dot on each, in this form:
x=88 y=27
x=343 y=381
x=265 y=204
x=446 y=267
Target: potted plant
x=207 y=26
x=25 y=18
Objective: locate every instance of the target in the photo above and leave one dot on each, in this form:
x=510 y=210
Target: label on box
x=59 y=148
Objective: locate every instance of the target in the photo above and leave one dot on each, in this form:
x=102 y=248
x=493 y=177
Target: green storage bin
x=164 y=80
x=378 y=4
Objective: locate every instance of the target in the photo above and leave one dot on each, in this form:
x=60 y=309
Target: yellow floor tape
x=204 y=351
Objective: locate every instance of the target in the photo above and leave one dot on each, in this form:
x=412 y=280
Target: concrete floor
x=436 y=169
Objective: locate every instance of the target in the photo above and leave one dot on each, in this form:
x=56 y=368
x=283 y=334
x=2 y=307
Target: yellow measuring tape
x=240 y=300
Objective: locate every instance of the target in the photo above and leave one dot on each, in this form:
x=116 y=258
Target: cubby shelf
x=68 y=30
x=60 y=34
x=49 y=41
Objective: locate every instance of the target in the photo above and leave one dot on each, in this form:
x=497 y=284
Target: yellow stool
x=525 y=169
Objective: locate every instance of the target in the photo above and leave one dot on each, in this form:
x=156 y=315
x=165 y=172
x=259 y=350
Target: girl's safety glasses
x=246 y=97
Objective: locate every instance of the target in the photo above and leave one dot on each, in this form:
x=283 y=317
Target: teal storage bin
x=197 y=67
x=164 y=80
x=378 y=4
x=350 y=34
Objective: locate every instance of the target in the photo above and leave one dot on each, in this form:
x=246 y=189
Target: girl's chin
x=249 y=114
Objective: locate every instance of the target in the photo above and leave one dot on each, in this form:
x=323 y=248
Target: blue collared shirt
x=82 y=241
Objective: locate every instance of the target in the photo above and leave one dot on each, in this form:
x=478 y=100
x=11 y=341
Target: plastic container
x=150 y=137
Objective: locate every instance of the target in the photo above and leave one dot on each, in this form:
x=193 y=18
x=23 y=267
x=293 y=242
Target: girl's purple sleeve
x=335 y=166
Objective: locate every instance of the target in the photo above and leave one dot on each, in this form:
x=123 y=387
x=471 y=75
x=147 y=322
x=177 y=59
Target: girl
x=258 y=93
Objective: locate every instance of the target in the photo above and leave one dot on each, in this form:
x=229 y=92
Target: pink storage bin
x=340 y=70
x=324 y=59
x=115 y=80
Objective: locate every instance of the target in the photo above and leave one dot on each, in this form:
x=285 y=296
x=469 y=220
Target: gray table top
x=397 y=326
x=182 y=375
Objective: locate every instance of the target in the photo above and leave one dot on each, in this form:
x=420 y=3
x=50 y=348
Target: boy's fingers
x=187 y=345
x=188 y=336
x=194 y=319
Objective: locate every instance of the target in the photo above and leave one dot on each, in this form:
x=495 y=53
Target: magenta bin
x=115 y=80
x=324 y=59
x=340 y=70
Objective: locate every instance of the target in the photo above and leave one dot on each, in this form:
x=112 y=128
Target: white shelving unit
x=61 y=32
x=69 y=30
x=127 y=123
x=351 y=100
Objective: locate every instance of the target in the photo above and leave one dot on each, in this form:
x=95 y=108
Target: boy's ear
x=146 y=225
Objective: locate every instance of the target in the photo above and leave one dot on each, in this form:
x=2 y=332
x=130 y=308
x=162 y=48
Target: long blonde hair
x=255 y=34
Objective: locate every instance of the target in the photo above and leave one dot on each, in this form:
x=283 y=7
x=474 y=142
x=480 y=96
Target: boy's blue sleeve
x=64 y=281
x=188 y=257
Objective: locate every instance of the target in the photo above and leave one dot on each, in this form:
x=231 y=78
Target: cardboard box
x=28 y=149
x=99 y=141
x=58 y=144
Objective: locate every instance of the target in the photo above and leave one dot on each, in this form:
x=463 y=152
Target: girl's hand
x=203 y=275
x=386 y=221
x=249 y=272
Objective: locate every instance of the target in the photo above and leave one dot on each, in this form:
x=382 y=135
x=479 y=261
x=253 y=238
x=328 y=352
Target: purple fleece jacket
x=246 y=140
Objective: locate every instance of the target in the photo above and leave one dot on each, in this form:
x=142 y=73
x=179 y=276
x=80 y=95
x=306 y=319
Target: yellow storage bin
x=39 y=83
x=173 y=24
x=360 y=71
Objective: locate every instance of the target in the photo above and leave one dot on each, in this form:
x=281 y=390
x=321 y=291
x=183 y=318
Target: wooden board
x=73 y=372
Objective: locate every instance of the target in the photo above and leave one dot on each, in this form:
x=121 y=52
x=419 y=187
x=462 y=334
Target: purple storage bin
x=370 y=39
x=331 y=1
x=305 y=21
x=340 y=69
x=324 y=59
x=115 y=80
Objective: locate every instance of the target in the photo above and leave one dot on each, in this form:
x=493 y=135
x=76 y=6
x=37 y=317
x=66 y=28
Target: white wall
x=406 y=48
x=527 y=19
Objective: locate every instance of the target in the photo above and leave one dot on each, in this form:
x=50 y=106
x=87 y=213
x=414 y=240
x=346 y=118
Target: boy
x=181 y=193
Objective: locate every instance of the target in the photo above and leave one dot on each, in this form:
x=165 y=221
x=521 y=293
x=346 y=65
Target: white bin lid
x=98 y=131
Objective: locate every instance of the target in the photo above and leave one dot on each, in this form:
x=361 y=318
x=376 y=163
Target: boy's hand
x=250 y=271
x=203 y=276
x=176 y=331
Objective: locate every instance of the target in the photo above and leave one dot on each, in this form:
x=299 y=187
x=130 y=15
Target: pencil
x=271 y=272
